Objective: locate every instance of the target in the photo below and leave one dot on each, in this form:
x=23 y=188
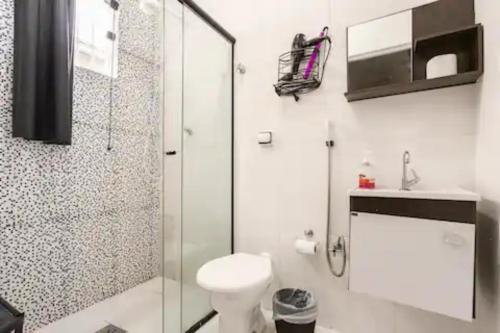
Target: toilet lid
x=235 y=273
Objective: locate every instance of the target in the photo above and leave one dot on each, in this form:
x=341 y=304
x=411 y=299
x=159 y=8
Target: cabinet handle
x=171 y=153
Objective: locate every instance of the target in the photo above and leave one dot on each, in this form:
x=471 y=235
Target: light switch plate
x=265 y=138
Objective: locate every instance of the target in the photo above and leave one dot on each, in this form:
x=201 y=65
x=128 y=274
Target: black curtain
x=43 y=70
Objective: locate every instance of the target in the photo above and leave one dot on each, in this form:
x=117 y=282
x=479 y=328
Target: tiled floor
x=138 y=310
x=212 y=326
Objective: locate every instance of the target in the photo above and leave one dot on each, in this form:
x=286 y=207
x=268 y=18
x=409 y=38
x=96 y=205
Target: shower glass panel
x=172 y=172
x=206 y=158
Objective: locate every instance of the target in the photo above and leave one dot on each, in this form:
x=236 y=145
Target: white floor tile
x=138 y=310
x=213 y=326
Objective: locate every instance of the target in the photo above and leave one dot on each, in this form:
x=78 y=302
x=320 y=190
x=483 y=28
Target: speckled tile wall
x=79 y=224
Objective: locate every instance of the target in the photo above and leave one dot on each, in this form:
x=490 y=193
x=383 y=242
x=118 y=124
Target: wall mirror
x=428 y=47
x=379 y=51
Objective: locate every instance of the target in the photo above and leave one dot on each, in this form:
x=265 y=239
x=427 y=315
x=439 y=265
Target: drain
x=111 y=329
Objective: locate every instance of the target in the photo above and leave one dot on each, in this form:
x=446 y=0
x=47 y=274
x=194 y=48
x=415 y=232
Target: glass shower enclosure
x=198 y=164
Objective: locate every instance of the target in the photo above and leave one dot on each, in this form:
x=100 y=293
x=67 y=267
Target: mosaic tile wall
x=79 y=224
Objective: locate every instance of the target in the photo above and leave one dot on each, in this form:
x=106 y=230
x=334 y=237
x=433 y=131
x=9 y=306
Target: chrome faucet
x=406 y=183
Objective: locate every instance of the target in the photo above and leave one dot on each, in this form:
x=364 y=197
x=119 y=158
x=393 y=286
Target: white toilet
x=237 y=284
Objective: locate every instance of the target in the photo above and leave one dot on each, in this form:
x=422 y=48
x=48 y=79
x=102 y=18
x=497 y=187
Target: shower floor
x=138 y=310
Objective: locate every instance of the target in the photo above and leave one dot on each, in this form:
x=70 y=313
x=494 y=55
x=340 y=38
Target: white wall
x=281 y=191
x=488 y=163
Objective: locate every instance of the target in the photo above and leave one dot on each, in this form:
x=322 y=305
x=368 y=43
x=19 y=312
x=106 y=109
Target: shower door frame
x=232 y=40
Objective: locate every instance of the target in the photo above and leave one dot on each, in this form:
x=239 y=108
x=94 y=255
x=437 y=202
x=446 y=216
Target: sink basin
x=453 y=194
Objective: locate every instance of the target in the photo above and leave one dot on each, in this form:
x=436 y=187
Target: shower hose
x=339 y=247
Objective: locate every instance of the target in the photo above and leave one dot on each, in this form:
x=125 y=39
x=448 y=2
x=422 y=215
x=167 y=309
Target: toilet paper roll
x=442 y=65
x=306 y=247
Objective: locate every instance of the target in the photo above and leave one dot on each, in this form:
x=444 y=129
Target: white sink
x=453 y=194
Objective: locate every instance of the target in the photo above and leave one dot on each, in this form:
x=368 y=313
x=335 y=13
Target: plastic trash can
x=294 y=311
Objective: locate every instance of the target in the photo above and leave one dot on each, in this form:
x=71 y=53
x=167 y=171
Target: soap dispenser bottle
x=365 y=178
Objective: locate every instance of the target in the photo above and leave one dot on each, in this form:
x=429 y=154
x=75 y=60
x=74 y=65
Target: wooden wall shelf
x=415 y=86
x=435 y=32
x=466 y=43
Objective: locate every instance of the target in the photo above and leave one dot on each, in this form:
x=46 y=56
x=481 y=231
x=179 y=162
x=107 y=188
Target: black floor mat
x=111 y=329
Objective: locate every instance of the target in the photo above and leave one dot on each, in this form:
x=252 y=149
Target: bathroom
x=113 y=228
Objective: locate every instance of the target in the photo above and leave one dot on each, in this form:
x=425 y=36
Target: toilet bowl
x=237 y=284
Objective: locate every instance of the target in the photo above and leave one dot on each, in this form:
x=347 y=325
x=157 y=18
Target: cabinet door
x=423 y=263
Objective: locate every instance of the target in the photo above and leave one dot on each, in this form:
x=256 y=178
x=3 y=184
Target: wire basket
x=301 y=70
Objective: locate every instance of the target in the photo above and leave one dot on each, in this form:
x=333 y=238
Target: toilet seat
x=235 y=273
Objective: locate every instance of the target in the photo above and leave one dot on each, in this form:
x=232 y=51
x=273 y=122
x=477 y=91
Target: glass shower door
x=207 y=158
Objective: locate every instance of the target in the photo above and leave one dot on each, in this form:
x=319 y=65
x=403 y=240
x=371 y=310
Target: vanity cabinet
x=415 y=252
